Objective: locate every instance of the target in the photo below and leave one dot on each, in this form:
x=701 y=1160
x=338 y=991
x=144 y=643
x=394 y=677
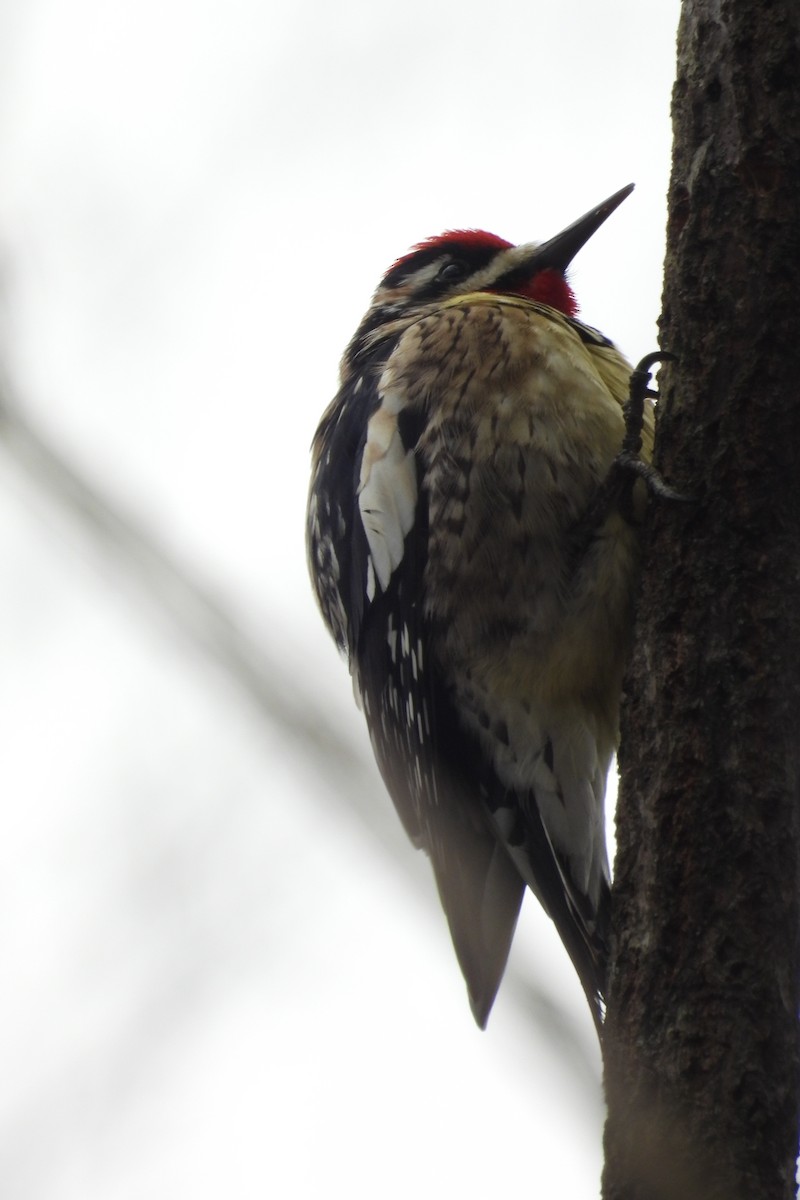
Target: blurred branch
x=193 y=607
x=209 y=625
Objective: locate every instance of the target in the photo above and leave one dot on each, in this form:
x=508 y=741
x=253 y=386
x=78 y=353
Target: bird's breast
x=521 y=431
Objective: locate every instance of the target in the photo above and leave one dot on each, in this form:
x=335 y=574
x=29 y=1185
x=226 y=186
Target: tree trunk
x=702 y=1055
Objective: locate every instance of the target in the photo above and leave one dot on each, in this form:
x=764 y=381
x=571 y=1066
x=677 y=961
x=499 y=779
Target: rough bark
x=702 y=1034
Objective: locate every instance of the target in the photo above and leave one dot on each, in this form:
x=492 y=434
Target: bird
x=475 y=557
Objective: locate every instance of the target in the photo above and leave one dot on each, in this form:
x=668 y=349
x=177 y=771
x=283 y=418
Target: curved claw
x=628 y=461
x=639 y=389
x=637 y=467
x=647 y=363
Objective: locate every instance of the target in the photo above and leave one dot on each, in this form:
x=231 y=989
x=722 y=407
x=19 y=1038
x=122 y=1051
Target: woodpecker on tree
x=473 y=540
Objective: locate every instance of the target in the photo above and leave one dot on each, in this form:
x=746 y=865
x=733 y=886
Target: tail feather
x=583 y=923
x=481 y=892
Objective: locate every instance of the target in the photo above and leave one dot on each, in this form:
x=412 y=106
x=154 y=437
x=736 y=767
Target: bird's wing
x=374 y=513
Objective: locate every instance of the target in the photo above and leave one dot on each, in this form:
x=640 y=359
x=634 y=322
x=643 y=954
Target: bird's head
x=464 y=261
x=471 y=260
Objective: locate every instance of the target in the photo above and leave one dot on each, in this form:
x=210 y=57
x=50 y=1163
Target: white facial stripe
x=501 y=264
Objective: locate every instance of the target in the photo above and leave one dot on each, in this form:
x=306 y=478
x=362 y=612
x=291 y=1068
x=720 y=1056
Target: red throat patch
x=551 y=288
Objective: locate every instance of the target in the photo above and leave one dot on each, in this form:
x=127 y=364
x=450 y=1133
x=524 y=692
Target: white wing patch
x=387 y=494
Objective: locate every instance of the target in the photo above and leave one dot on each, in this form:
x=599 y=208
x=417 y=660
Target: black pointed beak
x=560 y=250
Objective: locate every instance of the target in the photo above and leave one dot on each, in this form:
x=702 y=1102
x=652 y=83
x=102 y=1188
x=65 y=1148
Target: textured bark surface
x=702 y=1033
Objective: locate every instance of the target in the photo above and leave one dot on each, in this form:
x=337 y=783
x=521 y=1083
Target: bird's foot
x=629 y=465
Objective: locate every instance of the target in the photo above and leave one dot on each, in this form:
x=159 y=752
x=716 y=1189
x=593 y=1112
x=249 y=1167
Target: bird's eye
x=451 y=272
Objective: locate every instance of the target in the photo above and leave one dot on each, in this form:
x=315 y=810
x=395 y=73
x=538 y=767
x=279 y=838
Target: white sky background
x=212 y=980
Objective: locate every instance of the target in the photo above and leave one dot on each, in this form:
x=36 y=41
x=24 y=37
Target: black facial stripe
x=513 y=279
x=474 y=257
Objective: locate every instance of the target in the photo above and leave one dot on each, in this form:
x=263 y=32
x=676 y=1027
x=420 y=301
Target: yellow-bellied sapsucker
x=473 y=562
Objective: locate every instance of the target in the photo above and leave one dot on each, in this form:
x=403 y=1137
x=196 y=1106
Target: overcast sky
x=223 y=971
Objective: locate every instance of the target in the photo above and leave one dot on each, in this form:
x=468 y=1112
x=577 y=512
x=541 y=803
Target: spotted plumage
x=465 y=562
